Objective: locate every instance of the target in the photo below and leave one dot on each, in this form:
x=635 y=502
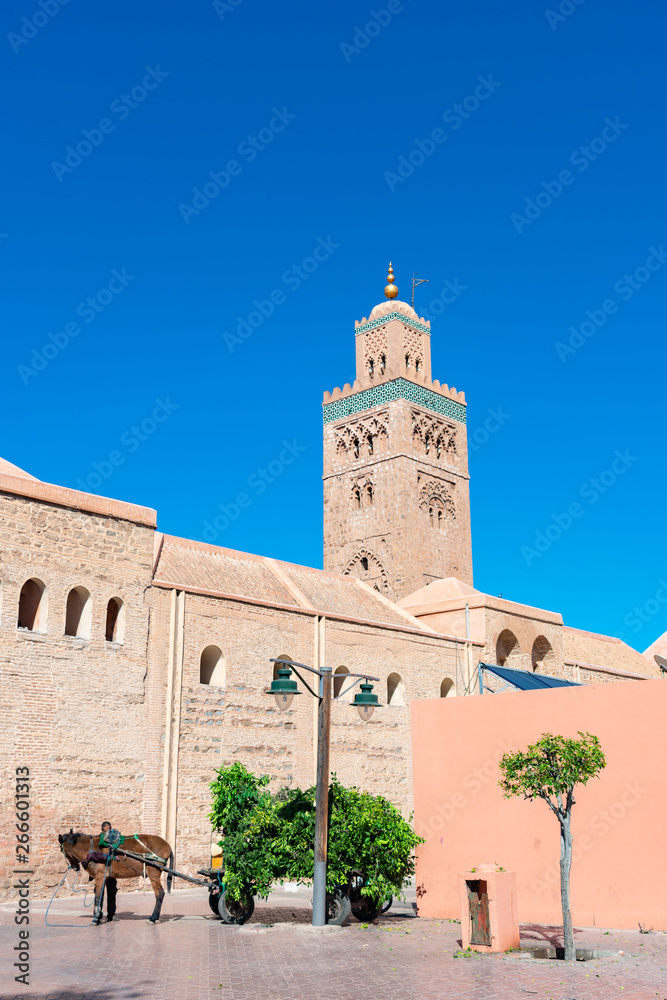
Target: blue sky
x=541 y=199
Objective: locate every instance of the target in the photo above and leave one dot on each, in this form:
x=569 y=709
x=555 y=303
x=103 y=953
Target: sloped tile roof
x=607 y=650
x=221 y=570
x=211 y=569
x=333 y=594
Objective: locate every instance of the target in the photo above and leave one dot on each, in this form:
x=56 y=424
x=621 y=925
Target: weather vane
x=417 y=281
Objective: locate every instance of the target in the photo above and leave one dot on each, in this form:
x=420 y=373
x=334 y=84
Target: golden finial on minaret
x=391 y=291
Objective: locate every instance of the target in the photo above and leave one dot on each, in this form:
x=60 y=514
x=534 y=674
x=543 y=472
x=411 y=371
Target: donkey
x=76 y=847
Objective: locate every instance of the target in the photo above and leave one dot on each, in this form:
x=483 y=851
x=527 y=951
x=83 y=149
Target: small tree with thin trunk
x=550 y=769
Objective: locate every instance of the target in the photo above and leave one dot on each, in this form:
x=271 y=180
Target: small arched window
x=447 y=687
x=115 y=624
x=340 y=677
x=212 y=667
x=418 y=365
x=369 y=443
x=371 y=368
x=355 y=447
x=364 y=562
x=407 y=360
x=427 y=443
x=32 y=606
x=395 y=690
x=79 y=613
x=356 y=497
x=383 y=364
x=439 y=518
x=542 y=655
x=438 y=447
x=508 y=649
x=369 y=494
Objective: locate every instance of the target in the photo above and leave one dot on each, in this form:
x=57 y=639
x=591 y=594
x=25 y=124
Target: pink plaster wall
x=619 y=874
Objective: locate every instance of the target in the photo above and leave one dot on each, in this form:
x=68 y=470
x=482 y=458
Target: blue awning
x=525 y=680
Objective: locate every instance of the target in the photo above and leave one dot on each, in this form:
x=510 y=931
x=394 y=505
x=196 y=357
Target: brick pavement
x=190 y=956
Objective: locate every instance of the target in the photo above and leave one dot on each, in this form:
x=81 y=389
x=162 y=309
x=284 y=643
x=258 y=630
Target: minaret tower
x=396 y=501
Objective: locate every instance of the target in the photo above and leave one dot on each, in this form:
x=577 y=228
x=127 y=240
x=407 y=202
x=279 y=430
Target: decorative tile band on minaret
x=399 y=388
x=365 y=327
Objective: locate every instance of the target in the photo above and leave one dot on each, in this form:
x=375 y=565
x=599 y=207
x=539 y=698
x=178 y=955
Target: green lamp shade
x=283 y=688
x=365 y=701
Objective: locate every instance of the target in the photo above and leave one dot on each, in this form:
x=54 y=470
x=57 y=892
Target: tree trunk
x=565 y=866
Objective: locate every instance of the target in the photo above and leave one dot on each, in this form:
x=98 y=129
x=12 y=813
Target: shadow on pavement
x=95 y=993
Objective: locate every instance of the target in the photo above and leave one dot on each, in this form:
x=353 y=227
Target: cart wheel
x=235 y=911
x=213 y=898
x=366 y=910
x=387 y=903
x=339 y=908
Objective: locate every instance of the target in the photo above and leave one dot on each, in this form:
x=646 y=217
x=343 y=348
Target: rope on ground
x=84 y=889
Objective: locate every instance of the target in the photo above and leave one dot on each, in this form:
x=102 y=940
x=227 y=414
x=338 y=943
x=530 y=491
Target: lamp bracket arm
x=348 y=688
x=304 y=681
x=360 y=677
x=291 y=663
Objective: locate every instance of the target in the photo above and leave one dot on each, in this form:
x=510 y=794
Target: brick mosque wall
x=377 y=755
x=89 y=717
x=73 y=709
x=239 y=722
x=526 y=631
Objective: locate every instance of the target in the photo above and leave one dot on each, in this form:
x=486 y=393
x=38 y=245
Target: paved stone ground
x=191 y=956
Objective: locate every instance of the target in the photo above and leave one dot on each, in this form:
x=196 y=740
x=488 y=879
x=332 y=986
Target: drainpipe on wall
x=468 y=689
x=173 y=716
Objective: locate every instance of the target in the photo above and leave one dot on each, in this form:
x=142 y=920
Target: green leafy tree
x=550 y=769
x=269 y=838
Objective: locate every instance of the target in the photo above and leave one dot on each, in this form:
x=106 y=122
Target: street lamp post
x=322 y=800
x=284 y=689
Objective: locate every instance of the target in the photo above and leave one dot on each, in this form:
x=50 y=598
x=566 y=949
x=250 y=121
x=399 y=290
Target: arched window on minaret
x=371 y=368
x=369 y=443
x=427 y=443
x=356 y=497
x=407 y=361
x=418 y=365
x=436 y=512
x=383 y=363
x=369 y=494
x=355 y=447
x=364 y=563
